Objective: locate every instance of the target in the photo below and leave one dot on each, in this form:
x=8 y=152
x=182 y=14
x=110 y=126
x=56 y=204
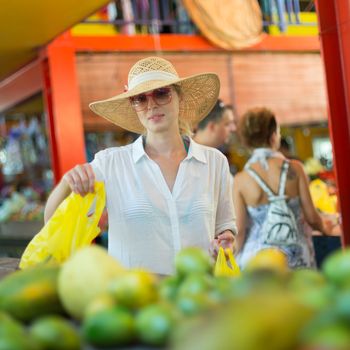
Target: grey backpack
x=280 y=227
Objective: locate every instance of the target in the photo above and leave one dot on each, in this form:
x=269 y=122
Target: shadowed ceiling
x=25 y=26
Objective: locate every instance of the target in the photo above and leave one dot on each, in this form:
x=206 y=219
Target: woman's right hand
x=80 y=179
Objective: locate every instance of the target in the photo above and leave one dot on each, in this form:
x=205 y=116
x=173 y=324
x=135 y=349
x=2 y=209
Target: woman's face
x=158 y=110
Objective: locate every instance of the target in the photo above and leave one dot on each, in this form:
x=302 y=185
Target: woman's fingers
x=91 y=176
x=214 y=248
x=226 y=240
x=81 y=179
x=84 y=178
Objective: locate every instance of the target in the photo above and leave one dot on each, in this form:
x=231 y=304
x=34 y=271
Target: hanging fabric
x=229 y=24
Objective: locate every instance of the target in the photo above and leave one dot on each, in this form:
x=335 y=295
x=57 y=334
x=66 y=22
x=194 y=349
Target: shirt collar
x=137 y=150
x=195 y=151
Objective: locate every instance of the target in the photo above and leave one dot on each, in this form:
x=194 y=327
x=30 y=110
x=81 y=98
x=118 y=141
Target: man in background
x=217 y=127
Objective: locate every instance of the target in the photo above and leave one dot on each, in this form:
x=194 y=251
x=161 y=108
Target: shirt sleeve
x=225 y=214
x=98 y=166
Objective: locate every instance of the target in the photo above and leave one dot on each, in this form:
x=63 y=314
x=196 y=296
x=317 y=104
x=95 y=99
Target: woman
x=164 y=191
x=268 y=176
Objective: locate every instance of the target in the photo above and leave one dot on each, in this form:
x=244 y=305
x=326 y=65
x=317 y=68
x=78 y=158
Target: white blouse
x=148 y=224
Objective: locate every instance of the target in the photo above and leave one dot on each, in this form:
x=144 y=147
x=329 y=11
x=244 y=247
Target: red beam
x=24 y=83
x=287 y=43
x=62 y=101
x=180 y=43
x=333 y=21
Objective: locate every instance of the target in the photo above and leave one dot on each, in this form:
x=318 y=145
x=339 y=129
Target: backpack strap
x=260 y=182
x=283 y=178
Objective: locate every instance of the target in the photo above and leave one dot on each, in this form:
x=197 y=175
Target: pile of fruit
x=92 y=301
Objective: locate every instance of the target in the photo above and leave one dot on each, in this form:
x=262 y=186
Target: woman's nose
x=150 y=102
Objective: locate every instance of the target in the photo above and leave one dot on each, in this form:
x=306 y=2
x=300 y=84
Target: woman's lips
x=156 y=117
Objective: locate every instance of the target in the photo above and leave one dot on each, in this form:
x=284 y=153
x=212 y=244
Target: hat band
x=148 y=76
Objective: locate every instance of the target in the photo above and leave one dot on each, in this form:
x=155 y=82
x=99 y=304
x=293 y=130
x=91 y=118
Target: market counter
x=8 y=265
x=15 y=236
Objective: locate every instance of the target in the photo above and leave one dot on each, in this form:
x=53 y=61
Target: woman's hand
x=225 y=239
x=80 y=179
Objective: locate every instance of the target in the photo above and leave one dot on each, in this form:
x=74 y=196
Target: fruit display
x=323 y=197
x=92 y=302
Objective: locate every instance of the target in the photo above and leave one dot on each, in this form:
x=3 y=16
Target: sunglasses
x=161 y=97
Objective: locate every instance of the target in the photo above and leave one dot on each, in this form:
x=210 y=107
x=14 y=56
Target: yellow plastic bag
x=73 y=225
x=222 y=266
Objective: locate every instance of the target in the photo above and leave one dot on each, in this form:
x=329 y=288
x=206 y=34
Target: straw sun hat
x=198 y=93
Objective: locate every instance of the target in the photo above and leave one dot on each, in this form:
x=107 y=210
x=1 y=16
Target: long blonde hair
x=185 y=127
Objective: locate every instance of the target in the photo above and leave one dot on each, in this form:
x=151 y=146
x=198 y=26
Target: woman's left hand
x=225 y=239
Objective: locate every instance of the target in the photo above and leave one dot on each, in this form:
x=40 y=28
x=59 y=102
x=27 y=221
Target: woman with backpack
x=272 y=197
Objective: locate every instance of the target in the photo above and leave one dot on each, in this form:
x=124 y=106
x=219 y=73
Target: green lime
x=109 y=327
x=10 y=326
x=342 y=304
x=316 y=298
x=306 y=278
x=168 y=287
x=154 y=324
x=335 y=336
x=195 y=304
x=193 y=260
x=222 y=288
x=266 y=281
x=55 y=333
x=196 y=284
x=337 y=267
x=135 y=289
x=99 y=303
x=15 y=343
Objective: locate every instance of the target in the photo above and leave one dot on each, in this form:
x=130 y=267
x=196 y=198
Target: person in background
x=285 y=149
x=217 y=127
x=268 y=173
x=164 y=191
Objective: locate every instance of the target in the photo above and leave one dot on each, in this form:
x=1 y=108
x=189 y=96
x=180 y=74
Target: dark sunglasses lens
x=139 y=100
x=162 y=95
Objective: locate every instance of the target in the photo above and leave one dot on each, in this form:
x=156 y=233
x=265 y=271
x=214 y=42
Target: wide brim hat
x=199 y=94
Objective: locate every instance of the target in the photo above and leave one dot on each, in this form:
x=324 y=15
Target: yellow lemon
x=269 y=259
